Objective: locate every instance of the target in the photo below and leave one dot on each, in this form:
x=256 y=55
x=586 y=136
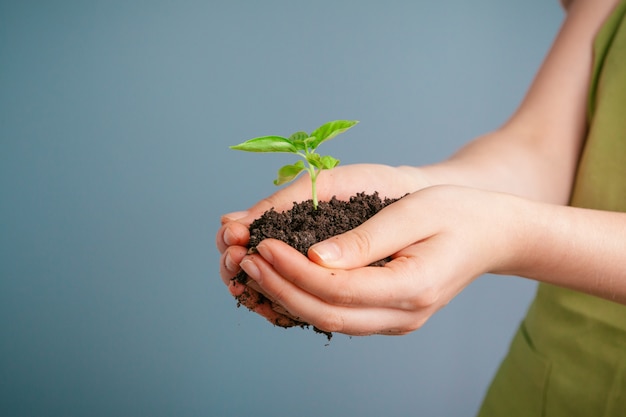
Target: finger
x=257 y=303
x=234 y=216
x=398 y=284
x=250 y=294
x=229 y=263
x=232 y=234
x=274 y=306
x=229 y=269
x=395 y=227
x=250 y=283
x=331 y=318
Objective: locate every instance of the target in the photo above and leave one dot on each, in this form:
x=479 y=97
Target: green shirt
x=569 y=356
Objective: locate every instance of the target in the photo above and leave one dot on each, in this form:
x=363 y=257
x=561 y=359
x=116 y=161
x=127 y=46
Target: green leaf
x=308 y=141
x=298 y=136
x=328 y=162
x=315 y=160
x=266 y=144
x=289 y=173
x=300 y=145
x=329 y=130
x=298 y=140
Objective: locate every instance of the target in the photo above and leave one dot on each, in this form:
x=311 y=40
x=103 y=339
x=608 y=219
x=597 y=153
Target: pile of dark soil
x=302 y=226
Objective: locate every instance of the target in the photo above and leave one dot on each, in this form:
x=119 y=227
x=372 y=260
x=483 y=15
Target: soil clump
x=301 y=227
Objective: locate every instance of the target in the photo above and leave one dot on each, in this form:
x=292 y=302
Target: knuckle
x=220 y=241
x=424 y=298
x=278 y=296
x=361 y=241
x=342 y=294
x=411 y=323
x=417 y=323
x=420 y=291
x=331 y=322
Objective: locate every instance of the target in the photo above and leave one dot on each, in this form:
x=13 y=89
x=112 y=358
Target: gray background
x=115 y=121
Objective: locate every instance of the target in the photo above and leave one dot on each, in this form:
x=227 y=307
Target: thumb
x=349 y=250
x=384 y=234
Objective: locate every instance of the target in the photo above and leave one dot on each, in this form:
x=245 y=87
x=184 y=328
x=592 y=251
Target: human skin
x=496 y=206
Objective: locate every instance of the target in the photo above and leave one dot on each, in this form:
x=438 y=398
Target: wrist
x=520 y=232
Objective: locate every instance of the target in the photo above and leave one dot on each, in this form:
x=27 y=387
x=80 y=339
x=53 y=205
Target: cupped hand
x=440 y=239
x=342 y=182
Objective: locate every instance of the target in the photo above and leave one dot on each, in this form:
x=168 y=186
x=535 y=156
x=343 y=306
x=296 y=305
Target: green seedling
x=304 y=145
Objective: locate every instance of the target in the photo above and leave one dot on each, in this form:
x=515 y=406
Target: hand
x=343 y=182
x=440 y=239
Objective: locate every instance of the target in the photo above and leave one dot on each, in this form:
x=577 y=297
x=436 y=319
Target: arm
x=501 y=212
x=580 y=249
x=455 y=241
x=536 y=152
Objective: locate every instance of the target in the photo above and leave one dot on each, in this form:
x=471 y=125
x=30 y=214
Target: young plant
x=304 y=145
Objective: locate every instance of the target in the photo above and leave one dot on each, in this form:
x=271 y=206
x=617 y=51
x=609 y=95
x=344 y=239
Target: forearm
x=507 y=161
x=536 y=152
x=580 y=249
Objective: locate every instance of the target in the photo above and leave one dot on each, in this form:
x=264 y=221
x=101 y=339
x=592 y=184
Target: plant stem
x=313 y=175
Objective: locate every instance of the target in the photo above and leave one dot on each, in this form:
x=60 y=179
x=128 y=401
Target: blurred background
x=115 y=121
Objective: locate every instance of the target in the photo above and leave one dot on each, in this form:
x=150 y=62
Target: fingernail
x=327 y=252
x=250 y=283
x=235 y=215
x=230 y=265
x=229 y=238
x=265 y=253
x=251 y=269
